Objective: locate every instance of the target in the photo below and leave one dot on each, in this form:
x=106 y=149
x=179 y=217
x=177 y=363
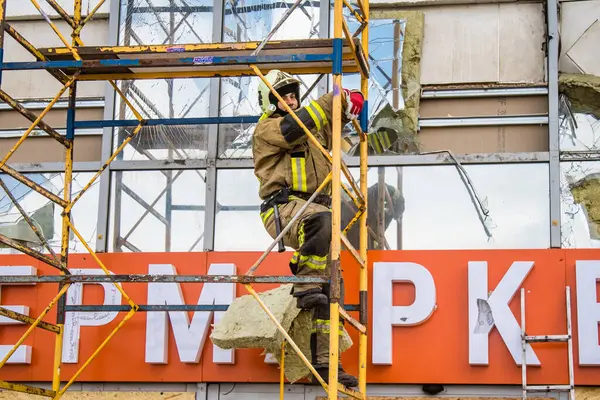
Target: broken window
x=580 y=203
x=579 y=132
x=165 y=22
x=249 y=21
x=46 y=215
x=437 y=207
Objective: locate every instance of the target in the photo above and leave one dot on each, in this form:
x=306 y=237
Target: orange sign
x=442 y=317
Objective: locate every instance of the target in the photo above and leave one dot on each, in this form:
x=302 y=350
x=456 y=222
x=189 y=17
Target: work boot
x=311 y=300
x=344 y=378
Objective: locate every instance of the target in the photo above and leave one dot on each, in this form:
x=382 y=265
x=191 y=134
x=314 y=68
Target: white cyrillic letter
x=486 y=312
x=386 y=315
x=23 y=353
x=588 y=311
x=189 y=337
x=75 y=320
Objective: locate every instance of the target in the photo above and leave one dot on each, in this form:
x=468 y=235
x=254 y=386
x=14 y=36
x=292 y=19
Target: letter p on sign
x=385 y=274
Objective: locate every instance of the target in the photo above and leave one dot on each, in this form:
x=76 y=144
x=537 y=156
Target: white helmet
x=278 y=80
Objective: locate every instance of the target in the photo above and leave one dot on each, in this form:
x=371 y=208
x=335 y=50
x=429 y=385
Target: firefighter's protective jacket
x=283 y=154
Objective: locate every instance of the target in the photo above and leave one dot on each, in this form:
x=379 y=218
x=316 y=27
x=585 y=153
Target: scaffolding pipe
x=363 y=276
x=2 y=23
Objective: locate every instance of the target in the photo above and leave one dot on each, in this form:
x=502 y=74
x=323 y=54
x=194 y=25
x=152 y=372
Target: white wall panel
x=579 y=36
x=39 y=83
x=483 y=43
x=25 y=9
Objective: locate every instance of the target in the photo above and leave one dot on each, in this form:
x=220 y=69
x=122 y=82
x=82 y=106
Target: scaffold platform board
x=314 y=56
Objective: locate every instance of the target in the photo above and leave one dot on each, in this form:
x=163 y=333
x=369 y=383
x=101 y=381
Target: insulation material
x=583 y=92
x=410 y=85
x=586 y=192
x=587 y=393
x=246 y=325
x=300 y=332
x=395 y=50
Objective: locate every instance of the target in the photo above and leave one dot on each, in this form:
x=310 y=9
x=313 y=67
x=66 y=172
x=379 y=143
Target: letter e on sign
x=23 y=353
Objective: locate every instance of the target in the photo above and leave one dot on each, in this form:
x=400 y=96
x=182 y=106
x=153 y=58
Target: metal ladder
x=547 y=339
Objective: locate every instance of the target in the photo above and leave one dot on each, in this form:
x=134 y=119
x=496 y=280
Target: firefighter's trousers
x=310 y=236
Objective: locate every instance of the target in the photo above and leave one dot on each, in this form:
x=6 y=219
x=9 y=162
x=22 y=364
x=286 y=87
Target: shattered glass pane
x=157 y=211
x=177 y=98
x=386 y=43
x=46 y=215
x=239 y=97
x=165 y=22
x=578 y=131
x=252 y=20
x=386 y=99
x=239 y=213
x=580 y=204
x=433 y=208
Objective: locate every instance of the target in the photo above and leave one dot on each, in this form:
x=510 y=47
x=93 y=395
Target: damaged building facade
x=485 y=122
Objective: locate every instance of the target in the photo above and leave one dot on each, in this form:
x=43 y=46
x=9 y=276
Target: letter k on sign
x=486 y=312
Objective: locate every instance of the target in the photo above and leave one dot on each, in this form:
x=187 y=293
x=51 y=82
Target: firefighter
x=290 y=168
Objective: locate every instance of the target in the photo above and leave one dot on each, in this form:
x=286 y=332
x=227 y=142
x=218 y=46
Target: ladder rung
x=344 y=314
x=17 y=387
x=548 y=388
x=547 y=338
x=28 y=320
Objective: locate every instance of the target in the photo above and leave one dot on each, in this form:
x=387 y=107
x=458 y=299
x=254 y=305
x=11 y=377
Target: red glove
x=355 y=101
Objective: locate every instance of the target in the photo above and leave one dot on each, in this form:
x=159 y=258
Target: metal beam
x=483 y=121
x=31 y=104
x=244 y=119
x=104 y=189
x=145 y=278
x=166 y=307
x=477 y=93
x=553 y=126
x=168 y=62
x=59 y=166
x=576 y=156
x=152 y=165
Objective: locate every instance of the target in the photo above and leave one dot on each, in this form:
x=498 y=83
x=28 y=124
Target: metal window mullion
x=213 y=139
x=553 y=131
x=107 y=137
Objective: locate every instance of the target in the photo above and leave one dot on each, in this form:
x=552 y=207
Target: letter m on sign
x=190 y=336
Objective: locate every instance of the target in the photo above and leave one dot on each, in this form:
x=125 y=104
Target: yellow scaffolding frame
x=70 y=74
